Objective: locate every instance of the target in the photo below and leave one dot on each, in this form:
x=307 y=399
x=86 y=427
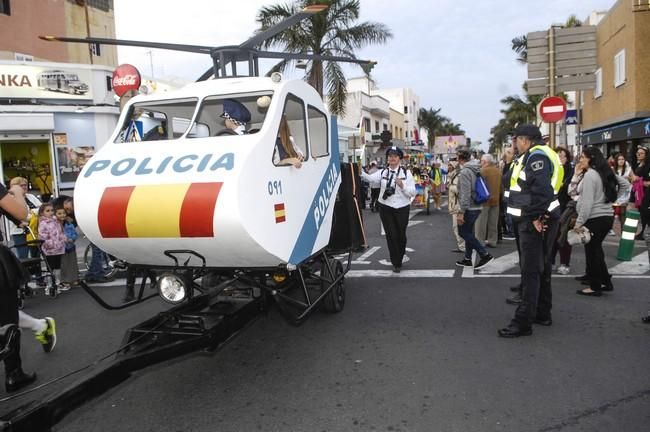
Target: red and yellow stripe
x=280 y=215
x=158 y=211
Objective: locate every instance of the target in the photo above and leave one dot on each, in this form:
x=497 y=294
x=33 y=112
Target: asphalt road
x=407 y=354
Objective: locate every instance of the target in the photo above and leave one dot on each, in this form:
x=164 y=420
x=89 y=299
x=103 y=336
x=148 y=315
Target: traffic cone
x=626 y=245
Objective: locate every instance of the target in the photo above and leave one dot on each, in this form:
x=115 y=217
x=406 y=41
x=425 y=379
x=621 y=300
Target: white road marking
x=637 y=266
x=501 y=264
x=387 y=263
x=362 y=259
x=402 y=274
x=413 y=223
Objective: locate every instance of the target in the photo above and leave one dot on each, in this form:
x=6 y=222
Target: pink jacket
x=51 y=232
x=639 y=192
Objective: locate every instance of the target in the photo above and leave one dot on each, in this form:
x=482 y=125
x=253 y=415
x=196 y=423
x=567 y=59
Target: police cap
x=235 y=110
x=528 y=130
x=396 y=151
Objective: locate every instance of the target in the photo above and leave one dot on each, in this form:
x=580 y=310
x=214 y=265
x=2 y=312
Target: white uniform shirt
x=403 y=195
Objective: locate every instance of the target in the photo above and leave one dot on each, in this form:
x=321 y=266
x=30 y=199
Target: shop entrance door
x=29 y=159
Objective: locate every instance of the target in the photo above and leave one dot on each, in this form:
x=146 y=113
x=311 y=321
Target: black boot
x=18 y=379
x=608 y=286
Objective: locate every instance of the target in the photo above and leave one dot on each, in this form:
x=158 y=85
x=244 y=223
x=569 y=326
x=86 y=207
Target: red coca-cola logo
x=125 y=77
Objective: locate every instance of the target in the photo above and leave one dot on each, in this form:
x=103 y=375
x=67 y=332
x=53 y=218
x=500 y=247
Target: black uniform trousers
x=11 y=276
x=374 y=196
x=395 y=221
x=536 y=269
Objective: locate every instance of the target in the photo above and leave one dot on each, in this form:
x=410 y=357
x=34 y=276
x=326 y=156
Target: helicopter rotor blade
x=103 y=41
x=283 y=25
x=301 y=56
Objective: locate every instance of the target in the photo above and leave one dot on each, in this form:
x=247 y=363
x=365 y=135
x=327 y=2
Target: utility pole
x=551 y=87
x=90 y=46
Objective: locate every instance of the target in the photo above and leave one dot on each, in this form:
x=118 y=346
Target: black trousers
x=395 y=221
x=374 y=196
x=535 y=261
x=596 y=266
x=9 y=285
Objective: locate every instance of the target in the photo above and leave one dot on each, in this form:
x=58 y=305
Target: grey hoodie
x=466 y=180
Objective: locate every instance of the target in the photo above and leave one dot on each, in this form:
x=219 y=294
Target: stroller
x=40 y=273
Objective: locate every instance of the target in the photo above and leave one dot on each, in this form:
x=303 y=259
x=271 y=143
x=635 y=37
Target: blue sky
x=455 y=54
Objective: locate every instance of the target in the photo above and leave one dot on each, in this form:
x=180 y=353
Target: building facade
x=616 y=114
x=22 y=21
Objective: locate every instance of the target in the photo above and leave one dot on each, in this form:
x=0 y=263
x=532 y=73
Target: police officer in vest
x=536 y=178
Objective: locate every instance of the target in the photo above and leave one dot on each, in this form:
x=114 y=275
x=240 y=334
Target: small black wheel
x=335 y=299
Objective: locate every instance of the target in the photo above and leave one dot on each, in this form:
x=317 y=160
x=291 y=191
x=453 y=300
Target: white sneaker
x=612 y=233
x=563 y=270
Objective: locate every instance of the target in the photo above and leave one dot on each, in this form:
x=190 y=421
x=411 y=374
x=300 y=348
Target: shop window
x=95 y=48
x=23 y=57
x=619 y=68
x=109 y=83
x=5 y=7
x=598 y=91
x=210 y=120
x=318 y=133
x=376 y=126
x=153 y=121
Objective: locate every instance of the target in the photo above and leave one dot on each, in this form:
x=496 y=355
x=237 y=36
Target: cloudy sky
x=455 y=54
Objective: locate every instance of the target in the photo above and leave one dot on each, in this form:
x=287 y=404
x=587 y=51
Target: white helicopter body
x=220 y=196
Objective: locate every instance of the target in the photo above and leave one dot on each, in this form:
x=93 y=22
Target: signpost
x=561 y=59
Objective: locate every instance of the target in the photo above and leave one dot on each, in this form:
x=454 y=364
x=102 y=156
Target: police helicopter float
x=193 y=191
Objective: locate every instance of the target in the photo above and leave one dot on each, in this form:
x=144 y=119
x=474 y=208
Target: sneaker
x=484 y=260
x=64 y=287
x=563 y=269
x=465 y=262
x=47 y=337
x=508 y=237
x=611 y=233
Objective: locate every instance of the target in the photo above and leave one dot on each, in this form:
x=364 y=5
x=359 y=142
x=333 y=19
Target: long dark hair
x=599 y=164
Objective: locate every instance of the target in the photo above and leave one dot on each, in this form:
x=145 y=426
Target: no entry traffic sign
x=552 y=109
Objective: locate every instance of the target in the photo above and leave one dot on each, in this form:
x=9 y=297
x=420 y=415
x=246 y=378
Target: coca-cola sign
x=126 y=77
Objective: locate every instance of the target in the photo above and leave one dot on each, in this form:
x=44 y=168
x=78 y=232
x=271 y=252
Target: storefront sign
x=38 y=82
x=636 y=129
x=126 y=77
x=448 y=144
x=60 y=139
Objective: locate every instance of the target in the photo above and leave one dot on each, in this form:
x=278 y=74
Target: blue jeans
x=97 y=262
x=466 y=231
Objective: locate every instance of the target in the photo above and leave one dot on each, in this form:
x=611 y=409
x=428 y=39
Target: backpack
x=481 y=191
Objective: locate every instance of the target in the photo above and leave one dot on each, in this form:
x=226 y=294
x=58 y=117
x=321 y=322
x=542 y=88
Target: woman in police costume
x=397 y=190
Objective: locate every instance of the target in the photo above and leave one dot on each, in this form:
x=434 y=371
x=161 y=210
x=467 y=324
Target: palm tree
x=331 y=32
x=431 y=120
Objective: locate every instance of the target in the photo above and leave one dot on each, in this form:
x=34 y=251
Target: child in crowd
x=69 y=267
x=51 y=233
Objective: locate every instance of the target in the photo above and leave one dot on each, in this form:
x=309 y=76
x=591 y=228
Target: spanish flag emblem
x=158 y=211
x=279 y=213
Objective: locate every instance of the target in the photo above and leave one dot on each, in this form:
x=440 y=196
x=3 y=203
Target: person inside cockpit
x=236 y=117
x=286 y=151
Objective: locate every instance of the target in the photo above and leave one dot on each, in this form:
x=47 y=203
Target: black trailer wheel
x=335 y=300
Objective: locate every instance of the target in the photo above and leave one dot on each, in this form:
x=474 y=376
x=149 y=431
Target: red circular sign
x=552 y=109
x=125 y=77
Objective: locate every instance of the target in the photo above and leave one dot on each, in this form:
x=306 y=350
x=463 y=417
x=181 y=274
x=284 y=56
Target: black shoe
x=513 y=331
x=514 y=300
x=607 y=286
x=591 y=293
x=543 y=321
x=458 y=251
x=484 y=260
x=516 y=288
x=465 y=262
x=646 y=319
x=396 y=269
x=18 y=379
x=582 y=278
x=639 y=236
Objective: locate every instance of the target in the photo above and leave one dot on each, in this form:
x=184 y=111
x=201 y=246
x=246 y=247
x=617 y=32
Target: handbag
x=575 y=238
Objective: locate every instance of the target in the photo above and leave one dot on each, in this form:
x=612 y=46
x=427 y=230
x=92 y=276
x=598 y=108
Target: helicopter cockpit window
x=230 y=115
x=158 y=120
x=294 y=118
x=318 y=132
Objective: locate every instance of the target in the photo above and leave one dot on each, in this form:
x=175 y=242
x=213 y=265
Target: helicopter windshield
x=157 y=120
x=249 y=112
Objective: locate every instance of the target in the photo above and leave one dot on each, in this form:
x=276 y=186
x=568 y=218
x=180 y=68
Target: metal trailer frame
x=204 y=321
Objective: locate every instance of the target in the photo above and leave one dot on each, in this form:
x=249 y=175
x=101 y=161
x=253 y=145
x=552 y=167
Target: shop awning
x=632 y=130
